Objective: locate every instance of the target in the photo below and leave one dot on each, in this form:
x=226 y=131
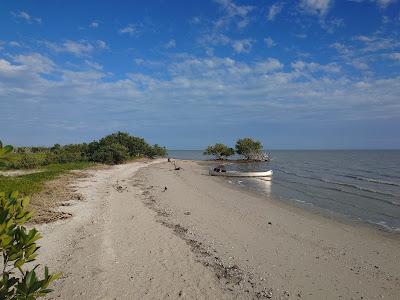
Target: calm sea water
x=361 y=185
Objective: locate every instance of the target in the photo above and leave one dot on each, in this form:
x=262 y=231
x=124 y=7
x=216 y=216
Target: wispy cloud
x=316 y=7
x=77 y=48
x=259 y=90
x=381 y=3
x=395 y=56
x=94 y=65
x=130 y=29
x=385 y=3
x=233 y=13
x=274 y=10
x=195 y=20
x=269 y=42
x=361 y=51
x=24 y=16
x=94 y=24
x=243 y=46
x=170 y=44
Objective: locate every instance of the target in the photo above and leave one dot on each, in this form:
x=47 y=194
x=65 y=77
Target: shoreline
x=301 y=207
x=254 y=233
x=201 y=239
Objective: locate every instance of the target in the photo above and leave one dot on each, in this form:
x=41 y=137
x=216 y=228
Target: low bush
x=26 y=161
x=111 y=154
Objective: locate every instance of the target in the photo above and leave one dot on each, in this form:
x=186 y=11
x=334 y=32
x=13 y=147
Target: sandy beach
x=146 y=231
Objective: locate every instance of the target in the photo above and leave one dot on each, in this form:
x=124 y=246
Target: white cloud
x=130 y=29
x=270 y=42
x=313 y=67
x=35 y=62
x=170 y=44
x=93 y=65
x=94 y=24
x=385 y=3
x=78 y=48
x=377 y=43
x=360 y=64
x=195 y=20
x=7 y=69
x=193 y=88
x=316 y=7
x=330 y=25
x=218 y=39
x=101 y=44
x=14 y=44
x=242 y=46
x=238 y=14
x=23 y=15
x=215 y=39
x=269 y=65
x=274 y=10
x=381 y=3
x=395 y=56
x=362 y=52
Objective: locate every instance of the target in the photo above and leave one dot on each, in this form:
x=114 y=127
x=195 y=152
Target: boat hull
x=241 y=174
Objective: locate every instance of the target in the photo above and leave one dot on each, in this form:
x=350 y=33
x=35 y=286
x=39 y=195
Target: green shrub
x=219 y=151
x=18 y=247
x=104 y=151
x=26 y=161
x=136 y=146
x=111 y=154
x=247 y=147
x=156 y=151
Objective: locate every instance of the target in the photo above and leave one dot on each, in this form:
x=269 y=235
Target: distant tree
x=156 y=151
x=55 y=148
x=1 y=144
x=136 y=146
x=219 y=151
x=248 y=147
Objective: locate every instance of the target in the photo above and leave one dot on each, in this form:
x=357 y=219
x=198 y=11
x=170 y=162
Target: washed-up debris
x=119 y=188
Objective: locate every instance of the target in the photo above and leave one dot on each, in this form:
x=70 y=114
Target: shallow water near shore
x=361 y=185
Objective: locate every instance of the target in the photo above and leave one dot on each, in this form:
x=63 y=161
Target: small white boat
x=242 y=174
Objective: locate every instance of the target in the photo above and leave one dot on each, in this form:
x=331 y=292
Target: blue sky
x=307 y=74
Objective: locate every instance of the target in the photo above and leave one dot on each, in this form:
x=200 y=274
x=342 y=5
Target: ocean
x=359 y=185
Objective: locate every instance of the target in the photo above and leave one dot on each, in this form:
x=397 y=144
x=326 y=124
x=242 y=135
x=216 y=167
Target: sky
x=306 y=74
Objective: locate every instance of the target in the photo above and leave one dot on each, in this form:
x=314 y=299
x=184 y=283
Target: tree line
x=246 y=147
x=115 y=148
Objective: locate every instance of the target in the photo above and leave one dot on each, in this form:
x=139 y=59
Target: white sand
x=114 y=249
x=201 y=239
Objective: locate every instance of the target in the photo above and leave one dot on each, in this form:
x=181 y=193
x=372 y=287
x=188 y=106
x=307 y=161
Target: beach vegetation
x=115 y=148
x=219 y=151
x=248 y=147
x=111 y=154
x=18 y=248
